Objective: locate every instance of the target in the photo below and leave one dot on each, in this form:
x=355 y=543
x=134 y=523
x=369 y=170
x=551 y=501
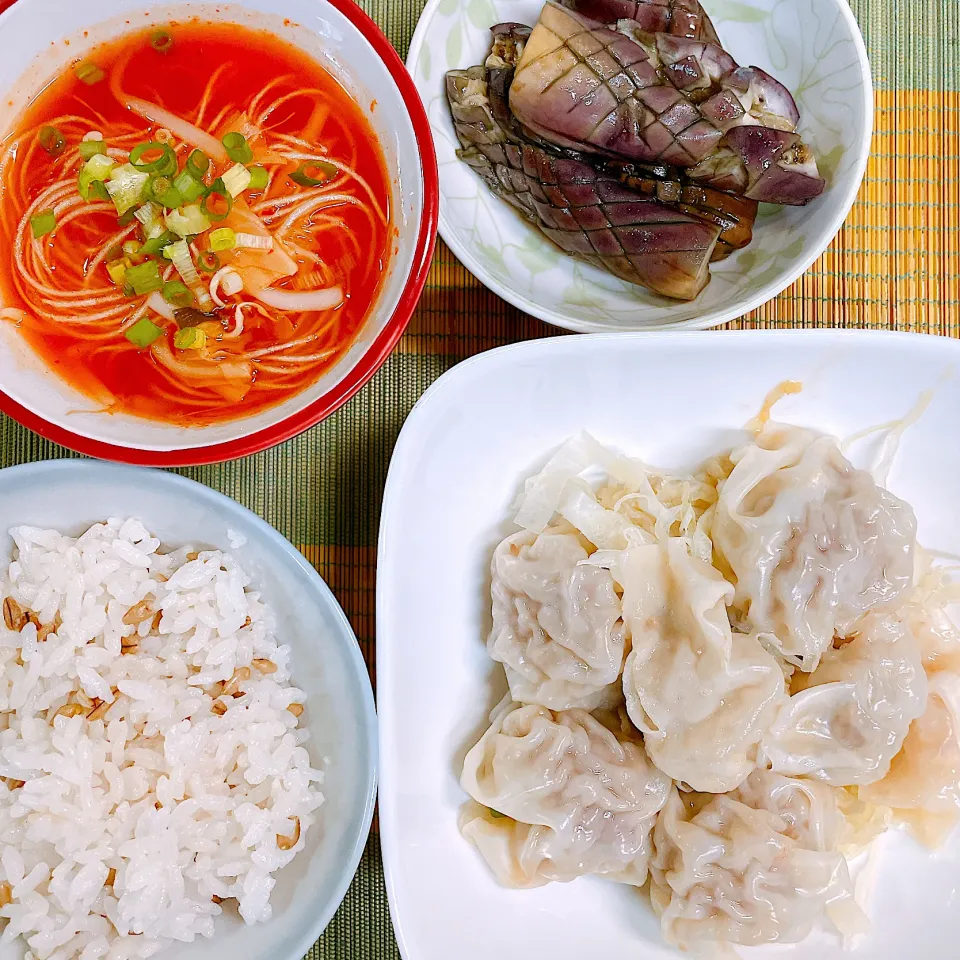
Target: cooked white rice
x=150 y=743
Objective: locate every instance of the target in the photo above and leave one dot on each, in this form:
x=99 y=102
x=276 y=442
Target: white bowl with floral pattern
x=814 y=47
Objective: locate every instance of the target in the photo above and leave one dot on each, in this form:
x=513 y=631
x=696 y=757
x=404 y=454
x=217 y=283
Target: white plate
x=460 y=461
x=813 y=46
x=70 y=495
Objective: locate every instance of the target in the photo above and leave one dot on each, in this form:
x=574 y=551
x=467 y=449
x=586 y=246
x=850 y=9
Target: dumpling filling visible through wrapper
x=852 y=714
x=813 y=542
x=557 y=796
x=702 y=695
x=556 y=622
x=750 y=867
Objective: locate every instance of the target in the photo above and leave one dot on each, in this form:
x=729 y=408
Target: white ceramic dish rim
x=532 y=350
x=717 y=317
x=225 y=506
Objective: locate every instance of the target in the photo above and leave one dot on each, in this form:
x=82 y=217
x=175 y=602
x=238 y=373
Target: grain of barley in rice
x=152 y=763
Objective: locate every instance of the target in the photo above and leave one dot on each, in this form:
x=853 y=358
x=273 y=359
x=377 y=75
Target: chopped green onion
x=179 y=253
x=132 y=249
x=190 y=189
x=236 y=179
x=100 y=167
x=148 y=213
x=92 y=148
x=189 y=338
x=165 y=193
x=178 y=294
x=143 y=333
x=204 y=301
x=253 y=241
x=187 y=221
x=161 y=41
x=210 y=205
x=118 y=270
x=92 y=173
x=197 y=164
x=259 y=178
x=124 y=170
x=208 y=262
x=52 y=140
x=86 y=186
x=126 y=187
x=144 y=277
x=222 y=239
x=323 y=173
x=165 y=165
x=496 y=814
x=88 y=72
x=149 y=216
x=155 y=245
x=43 y=223
x=238 y=150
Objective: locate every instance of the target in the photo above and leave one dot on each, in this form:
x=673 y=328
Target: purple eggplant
x=729 y=95
x=585 y=87
x=734 y=215
x=722 y=170
x=780 y=166
x=680 y=18
x=586 y=213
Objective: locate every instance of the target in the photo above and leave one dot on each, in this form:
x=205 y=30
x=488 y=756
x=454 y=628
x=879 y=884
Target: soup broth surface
x=329 y=231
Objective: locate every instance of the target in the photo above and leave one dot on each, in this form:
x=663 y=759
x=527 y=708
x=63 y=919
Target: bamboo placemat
x=895 y=265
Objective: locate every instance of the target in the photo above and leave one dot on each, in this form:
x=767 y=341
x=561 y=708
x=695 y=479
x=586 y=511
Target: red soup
x=198 y=218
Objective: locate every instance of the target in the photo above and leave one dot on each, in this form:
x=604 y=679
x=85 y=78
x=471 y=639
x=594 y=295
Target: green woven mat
x=895 y=265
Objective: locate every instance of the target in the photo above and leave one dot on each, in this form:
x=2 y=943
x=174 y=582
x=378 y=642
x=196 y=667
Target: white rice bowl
x=150 y=741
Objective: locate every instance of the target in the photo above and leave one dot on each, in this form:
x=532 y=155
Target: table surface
x=894 y=265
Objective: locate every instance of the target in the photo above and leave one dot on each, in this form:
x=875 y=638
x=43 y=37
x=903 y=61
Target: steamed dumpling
x=701 y=695
x=556 y=622
x=754 y=866
x=923 y=783
x=854 y=711
x=814 y=544
x=573 y=798
x=807 y=807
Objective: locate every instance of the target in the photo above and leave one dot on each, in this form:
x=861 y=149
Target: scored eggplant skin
x=733 y=214
x=675 y=100
x=584 y=86
x=586 y=213
x=780 y=167
x=679 y=18
x=642 y=147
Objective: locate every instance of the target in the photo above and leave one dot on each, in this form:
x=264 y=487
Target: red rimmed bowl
x=40 y=38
